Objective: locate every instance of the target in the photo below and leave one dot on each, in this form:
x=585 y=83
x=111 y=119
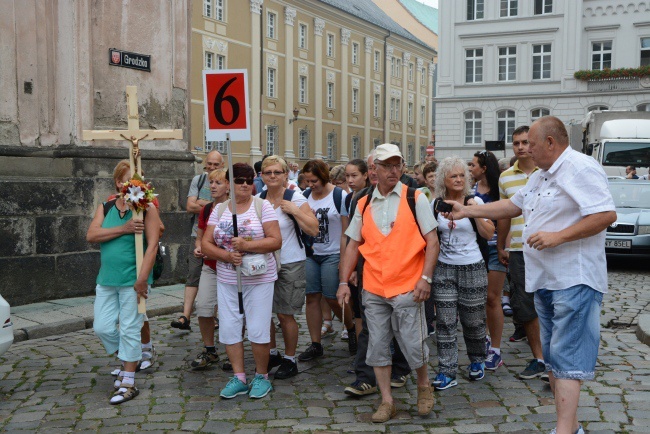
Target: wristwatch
x=428 y=279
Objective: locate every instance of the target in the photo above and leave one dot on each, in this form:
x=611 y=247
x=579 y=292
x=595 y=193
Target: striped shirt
x=510 y=182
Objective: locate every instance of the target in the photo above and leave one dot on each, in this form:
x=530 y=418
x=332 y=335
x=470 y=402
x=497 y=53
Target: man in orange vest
x=396 y=275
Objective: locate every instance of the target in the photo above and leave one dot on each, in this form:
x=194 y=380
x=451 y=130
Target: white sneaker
x=344 y=335
x=580 y=430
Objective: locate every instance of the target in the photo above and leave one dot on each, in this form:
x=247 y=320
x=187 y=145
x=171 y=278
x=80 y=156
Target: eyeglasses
x=389 y=167
x=275 y=172
x=240 y=181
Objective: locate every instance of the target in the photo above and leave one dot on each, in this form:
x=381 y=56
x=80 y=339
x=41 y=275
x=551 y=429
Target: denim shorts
x=569 y=322
x=323 y=275
x=493 y=260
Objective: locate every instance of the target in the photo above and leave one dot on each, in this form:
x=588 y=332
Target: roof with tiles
x=426 y=15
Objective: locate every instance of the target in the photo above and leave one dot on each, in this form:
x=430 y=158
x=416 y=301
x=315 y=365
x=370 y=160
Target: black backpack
x=159 y=263
x=308 y=240
x=410 y=199
x=482 y=242
x=305 y=241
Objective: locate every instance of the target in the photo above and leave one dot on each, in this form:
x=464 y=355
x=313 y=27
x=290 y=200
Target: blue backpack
x=305 y=241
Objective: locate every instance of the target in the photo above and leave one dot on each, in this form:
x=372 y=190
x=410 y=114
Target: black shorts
x=522 y=302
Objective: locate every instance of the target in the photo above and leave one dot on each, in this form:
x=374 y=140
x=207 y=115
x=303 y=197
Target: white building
x=504 y=63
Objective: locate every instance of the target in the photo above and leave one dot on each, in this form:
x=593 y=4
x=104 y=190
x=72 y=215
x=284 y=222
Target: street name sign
x=126 y=59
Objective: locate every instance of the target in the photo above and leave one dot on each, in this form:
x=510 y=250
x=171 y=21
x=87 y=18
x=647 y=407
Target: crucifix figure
x=133 y=135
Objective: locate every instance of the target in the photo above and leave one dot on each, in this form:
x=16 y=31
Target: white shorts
x=206 y=297
x=258 y=303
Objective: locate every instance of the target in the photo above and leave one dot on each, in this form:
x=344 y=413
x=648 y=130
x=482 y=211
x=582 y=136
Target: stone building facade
x=57 y=81
x=504 y=64
x=355 y=77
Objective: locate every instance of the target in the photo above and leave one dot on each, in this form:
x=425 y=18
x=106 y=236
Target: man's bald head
x=550 y=126
x=213 y=161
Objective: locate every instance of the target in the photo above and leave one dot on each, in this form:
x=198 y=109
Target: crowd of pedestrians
x=341 y=242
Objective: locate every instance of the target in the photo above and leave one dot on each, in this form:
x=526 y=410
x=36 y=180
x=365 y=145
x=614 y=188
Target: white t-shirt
x=458 y=246
x=328 y=240
x=291 y=251
x=249 y=227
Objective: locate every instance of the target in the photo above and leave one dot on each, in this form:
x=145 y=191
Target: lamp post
x=295 y=116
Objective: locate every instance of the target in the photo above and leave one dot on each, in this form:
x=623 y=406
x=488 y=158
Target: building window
x=645 y=52
x=356 y=147
x=270 y=83
x=410 y=154
x=213 y=9
x=423 y=79
x=543 y=7
x=302 y=36
x=392 y=108
x=221 y=62
x=474 y=65
x=272 y=140
x=303 y=144
x=355 y=100
x=207 y=8
x=411 y=71
x=377 y=61
x=601 y=55
x=643 y=107
x=330 y=45
x=423 y=114
x=376 y=104
x=475 y=9
x=355 y=53
x=221 y=146
x=398 y=67
x=395 y=104
x=505 y=125
x=473 y=127
x=209 y=60
x=271 y=21
x=597 y=107
x=302 y=89
x=218 y=9
x=423 y=152
x=508 y=8
x=331 y=146
x=376 y=142
x=410 y=113
x=538 y=113
x=330 y=95
x=541 y=61
x=507 y=63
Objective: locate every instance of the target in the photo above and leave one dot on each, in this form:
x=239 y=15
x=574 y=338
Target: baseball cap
x=386 y=151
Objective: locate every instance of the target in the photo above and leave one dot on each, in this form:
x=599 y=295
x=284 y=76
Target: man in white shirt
x=566 y=207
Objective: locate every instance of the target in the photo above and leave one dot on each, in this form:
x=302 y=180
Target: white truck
x=616 y=139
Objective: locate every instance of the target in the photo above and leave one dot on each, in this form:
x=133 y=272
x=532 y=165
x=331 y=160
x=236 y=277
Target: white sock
x=147 y=346
x=497 y=351
x=292 y=358
x=129 y=378
x=327 y=322
x=274 y=351
x=541 y=360
x=505 y=299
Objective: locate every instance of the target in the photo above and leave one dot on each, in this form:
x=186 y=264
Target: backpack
x=202 y=179
x=482 y=242
x=410 y=199
x=221 y=208
x=159 y=263
x=308 y=240
x=304 y=241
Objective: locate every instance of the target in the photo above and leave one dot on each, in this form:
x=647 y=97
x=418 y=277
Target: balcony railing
x=625 y=83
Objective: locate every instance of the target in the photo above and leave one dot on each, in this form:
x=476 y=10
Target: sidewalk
x=57 y=317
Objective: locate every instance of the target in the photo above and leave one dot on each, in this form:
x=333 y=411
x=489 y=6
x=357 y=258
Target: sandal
x=507 y=310
x=182 y=325
x=124 y=394
x=326 y=330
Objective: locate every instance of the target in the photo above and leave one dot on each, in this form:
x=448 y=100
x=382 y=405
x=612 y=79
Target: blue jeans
x=323 y=275
x=113 y=303
x=569 y=322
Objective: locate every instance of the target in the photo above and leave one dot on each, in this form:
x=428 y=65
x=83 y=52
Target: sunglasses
x=240 y=181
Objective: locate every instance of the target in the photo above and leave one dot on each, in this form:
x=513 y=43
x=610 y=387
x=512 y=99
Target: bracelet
x=343 y=283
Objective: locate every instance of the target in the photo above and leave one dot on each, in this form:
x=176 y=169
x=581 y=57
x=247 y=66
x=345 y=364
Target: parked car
x=7 y=330
x=630 y=233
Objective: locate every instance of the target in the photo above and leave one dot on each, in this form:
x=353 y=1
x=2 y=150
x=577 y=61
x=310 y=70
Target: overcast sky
x=433 y=3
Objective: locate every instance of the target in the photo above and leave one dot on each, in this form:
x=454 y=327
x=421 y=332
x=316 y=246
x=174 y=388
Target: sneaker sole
x=471 y=378
x=260 y=396
x=243 y=392
x=496 y=367
x=517 y=340
x=530 y=377
x=452 y=383
x=354 y=392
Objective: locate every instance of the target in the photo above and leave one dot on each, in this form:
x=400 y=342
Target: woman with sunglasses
x=460 y=280
x=252 y=250
x=484 y=168
x=291 y=208
x=327 y=203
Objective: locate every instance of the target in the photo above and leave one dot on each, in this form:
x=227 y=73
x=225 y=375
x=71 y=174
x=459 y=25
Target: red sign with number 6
x=226 y=104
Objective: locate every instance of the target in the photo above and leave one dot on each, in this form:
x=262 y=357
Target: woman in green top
x=118 y=285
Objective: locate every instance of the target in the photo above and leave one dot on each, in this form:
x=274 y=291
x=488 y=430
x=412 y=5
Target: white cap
x=386 y=151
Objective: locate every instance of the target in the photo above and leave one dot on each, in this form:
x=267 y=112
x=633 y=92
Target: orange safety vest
x=394 y=262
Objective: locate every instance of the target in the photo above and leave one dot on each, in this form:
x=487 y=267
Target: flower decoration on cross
x=137 y=193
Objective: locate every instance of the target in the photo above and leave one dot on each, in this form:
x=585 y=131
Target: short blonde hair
x=122 y=168
x=338 y=173
x=446 y=166
x=274 y=159
x=218 y=175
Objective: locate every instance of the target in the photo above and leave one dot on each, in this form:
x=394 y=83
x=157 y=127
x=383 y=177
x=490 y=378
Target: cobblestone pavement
x=62 y=384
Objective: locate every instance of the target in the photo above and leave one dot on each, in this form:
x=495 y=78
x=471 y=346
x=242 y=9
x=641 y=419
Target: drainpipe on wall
x=385 y=85
x=262 y=130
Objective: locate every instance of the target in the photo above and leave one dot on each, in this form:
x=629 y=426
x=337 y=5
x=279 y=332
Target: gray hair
x=446 y=166
x=371 y=154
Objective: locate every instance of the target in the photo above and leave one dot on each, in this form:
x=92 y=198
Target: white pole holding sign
x=227 y=117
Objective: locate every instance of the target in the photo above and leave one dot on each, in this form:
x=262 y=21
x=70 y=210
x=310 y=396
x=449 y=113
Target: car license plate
x=618 y=244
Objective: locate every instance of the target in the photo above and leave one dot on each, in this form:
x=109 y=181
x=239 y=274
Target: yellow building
x=327 y=78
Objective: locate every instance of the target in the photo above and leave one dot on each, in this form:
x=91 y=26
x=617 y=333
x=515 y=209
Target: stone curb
x=643 y=328
x=73 y=325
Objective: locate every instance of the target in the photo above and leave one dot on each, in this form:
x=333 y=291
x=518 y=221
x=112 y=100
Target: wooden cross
x=133 y=135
